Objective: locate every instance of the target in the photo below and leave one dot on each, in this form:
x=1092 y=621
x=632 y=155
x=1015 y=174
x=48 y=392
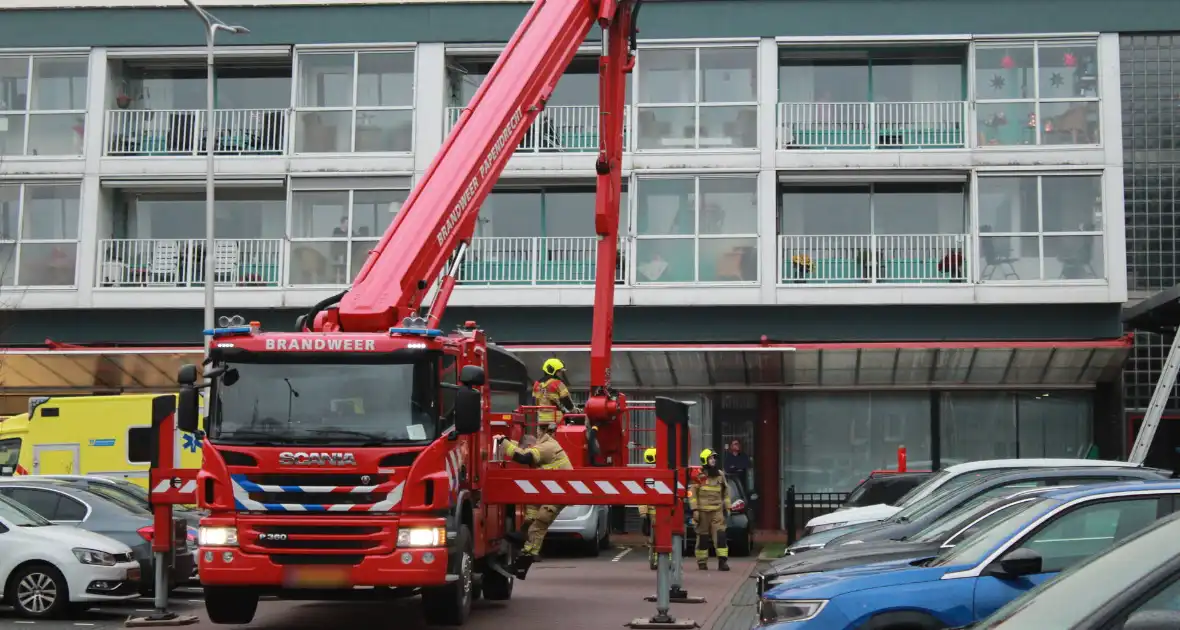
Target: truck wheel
x=450 y=605
x=230 y=605
x=496 y=587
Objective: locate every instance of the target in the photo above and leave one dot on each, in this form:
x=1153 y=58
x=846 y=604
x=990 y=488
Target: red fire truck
x=360 y=451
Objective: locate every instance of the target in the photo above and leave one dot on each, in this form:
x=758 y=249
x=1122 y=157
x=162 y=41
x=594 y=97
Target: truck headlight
x=421 y=537
x=94 y=557
x=217 y=536
x=776 y=611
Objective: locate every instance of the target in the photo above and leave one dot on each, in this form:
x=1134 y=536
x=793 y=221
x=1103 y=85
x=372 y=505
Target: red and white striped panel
x=165 y=487
x=599 y=487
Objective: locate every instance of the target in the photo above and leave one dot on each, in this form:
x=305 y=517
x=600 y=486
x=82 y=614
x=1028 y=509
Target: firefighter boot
x=520 y=568
x=704 y=543
x=723 y=563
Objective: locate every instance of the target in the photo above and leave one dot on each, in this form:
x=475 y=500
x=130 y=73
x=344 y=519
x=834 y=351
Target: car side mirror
x=468 y=410
x=472 y=376
x=1018 y=563
x=1153 y=620
x=188 y=409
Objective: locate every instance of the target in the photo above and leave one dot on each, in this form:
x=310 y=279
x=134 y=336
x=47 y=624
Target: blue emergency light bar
x=419 y=332
x=226 y=332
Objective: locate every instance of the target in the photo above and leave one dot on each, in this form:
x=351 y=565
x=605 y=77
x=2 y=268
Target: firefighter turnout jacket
x=551 y=392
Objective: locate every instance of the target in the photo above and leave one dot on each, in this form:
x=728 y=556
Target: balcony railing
x=255 y=262
x=524 y=260
x=930 y=125
x=874 y=259
x=182 y=131
x=558 y=129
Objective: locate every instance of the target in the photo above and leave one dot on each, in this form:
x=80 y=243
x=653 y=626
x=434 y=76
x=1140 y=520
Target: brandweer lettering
x=484 y=169
x=320 y=343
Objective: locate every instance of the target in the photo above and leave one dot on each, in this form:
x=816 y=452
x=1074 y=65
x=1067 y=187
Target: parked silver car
x=587 y=525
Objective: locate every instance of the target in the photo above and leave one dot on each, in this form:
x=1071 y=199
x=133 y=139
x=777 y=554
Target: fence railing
x=874 y=258
x=917 y=125
x=558 y=128
x=253 y=262
x=800 y=507
x=182 y=131
x=531 y=260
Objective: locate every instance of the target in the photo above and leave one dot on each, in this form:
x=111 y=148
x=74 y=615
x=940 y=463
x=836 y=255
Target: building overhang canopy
x=1039 y=364
x=1159 y=313
x=1033 y=364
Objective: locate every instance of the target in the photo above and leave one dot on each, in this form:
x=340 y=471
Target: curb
x=727 y=601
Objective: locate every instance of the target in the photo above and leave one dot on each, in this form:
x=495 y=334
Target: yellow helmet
x=552 y=366
x=705 y=455
x=649 y=456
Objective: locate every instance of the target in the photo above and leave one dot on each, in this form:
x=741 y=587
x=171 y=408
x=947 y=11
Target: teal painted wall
x=658 y=19
x=632 y=324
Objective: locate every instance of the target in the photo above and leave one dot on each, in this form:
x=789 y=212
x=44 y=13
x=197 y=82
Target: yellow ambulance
x=87 y=435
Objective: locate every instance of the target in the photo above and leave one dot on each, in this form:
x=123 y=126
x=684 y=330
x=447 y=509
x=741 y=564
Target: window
x=1167 y=600
x=1046 y=227
x=697 y=229
x=506 y=402
x=139 y=445
x=1037 y=93
x=448 y=384
x=980 y=426
x=51 y=505
x=121 y=498
x=9 y=456
x=39 y=234
x=42 y=105
x=332 y=231
x=360 y=102
x=692 y=98
x=978 y=526
x=1089 y=530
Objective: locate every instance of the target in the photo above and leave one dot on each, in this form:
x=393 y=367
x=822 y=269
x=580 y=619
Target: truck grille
x=326 y=492
x=312 y=535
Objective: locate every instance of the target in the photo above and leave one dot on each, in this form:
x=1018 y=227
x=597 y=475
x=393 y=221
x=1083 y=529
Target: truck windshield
x=326 y=403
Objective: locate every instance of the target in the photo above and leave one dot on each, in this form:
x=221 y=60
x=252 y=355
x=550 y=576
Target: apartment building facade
x=914 y=227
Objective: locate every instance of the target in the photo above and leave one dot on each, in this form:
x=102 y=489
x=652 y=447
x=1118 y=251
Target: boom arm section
x=441 y=212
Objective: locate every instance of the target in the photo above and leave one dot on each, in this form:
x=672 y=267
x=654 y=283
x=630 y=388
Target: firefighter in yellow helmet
x=710 y=504
x=648 y=514
x=552 y=391
x=546 y=454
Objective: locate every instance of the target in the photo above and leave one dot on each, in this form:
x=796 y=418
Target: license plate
x=317 y=577
x=133 y=573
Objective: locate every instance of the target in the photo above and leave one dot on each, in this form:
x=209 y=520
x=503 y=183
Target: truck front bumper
x=227 y=566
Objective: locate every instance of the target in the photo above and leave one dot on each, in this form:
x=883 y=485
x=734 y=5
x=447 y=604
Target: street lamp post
x=212 y=25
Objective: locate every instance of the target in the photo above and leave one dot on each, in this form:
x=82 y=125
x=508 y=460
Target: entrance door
x=56 y=459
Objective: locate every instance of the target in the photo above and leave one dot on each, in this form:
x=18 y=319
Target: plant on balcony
x=802 y=266
x=865 y=260
x=952 y=265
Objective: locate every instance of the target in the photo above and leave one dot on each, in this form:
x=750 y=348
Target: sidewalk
x=741 y=612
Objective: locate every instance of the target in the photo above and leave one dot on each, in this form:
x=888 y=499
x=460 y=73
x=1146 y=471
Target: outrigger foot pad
x=662 y=623
x=160 y=620
x=678 y=597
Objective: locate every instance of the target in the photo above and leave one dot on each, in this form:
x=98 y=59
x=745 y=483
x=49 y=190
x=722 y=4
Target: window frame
x=29 y=111
x=127 y=451
x=1036 y=100
x=349 y=241
x=1040 y=234
x=18 y=240
x=60 y=495
x=1162 y=509
x=639 y=105
x=696 y=236
x=353 y=109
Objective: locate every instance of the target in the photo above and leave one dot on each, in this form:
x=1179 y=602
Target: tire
x=496 y=587
x=604 y=543
x=38 y=591
x=740 y=547
x=450 y=604
x=226 y=605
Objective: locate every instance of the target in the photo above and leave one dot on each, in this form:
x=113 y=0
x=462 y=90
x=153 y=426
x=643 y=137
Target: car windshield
x=19 y=515
x=918 y=509
x=135 y=491
x=926 y=487
x=371 y=403
x=1079 y=592
x=120 y=498
x=986 y=515
x=976 y=547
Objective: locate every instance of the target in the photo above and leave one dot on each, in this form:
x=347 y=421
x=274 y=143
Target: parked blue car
x=979 y=575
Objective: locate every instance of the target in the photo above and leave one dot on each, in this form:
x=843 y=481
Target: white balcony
x=523 y=260
x=884 y=126
x=874 y=259
x=182 y=132
x=558 y=129
x=256 y=262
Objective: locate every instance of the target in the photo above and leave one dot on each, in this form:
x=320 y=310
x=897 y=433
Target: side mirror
x=187 y=375
x=1153 y=620
x=472 y=376
x=188 y=409
x=1018 y=563
x=468 y=410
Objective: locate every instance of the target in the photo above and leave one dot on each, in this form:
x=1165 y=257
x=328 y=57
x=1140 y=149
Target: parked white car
x=946 y=479
x=50 y=568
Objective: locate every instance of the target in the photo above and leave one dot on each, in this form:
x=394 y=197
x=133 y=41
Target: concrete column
x=767 y=181
x=767 y=451
x=91 y=202
x=430 y=104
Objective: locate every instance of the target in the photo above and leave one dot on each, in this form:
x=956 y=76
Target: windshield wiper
x=372 y=440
